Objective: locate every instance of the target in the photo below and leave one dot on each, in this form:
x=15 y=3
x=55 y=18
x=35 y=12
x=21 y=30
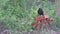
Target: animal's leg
x=37 y=26
x=46 y=25
x=40 y=25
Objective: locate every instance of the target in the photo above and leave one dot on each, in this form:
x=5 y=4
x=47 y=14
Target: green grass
x=20 y=13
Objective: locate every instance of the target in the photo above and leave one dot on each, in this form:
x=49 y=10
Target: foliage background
x=19 y=14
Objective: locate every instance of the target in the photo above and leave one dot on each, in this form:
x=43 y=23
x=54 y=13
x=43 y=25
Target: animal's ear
x=40 y=11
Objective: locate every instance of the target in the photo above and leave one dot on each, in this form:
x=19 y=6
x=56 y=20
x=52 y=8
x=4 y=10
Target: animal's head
x=40 y=11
